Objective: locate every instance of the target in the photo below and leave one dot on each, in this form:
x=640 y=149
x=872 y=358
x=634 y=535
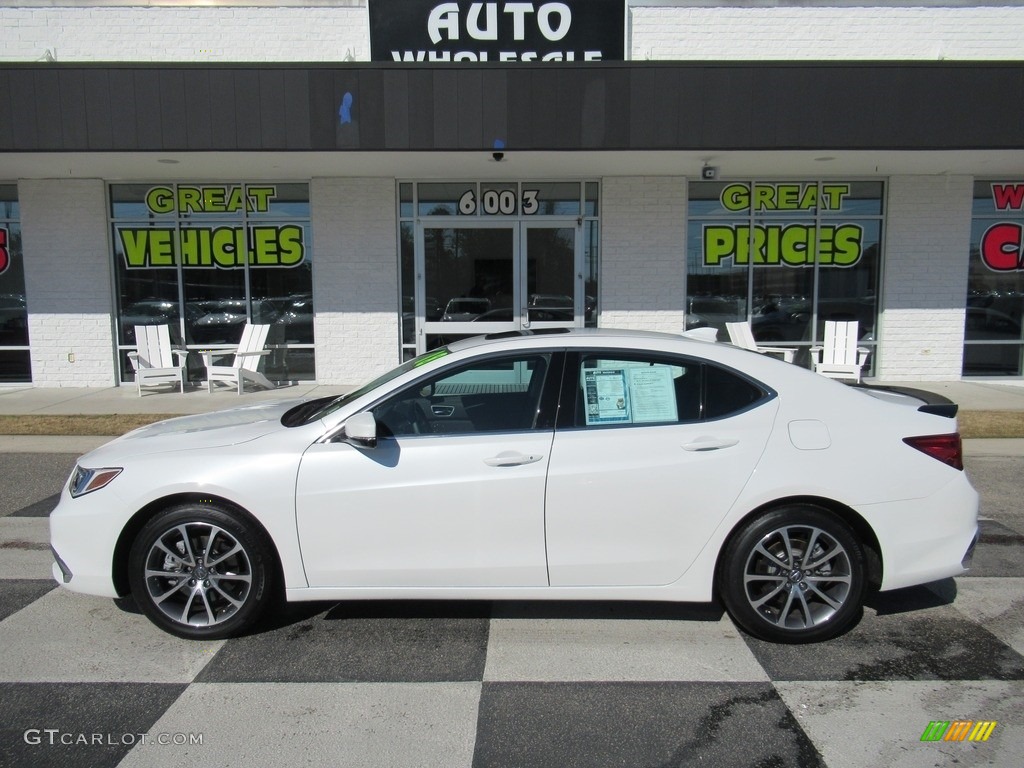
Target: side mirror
x=361 y=430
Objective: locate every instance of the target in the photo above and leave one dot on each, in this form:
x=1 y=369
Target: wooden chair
x=247 y=359
x=155 y=361
x=741 y=335
x=839 y=357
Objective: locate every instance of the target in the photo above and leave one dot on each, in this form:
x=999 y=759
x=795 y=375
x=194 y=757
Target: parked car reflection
x=464 y=310
x=987 y=324
x=13 y=320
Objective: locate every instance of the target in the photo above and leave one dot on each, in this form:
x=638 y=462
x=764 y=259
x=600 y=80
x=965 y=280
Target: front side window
x=492 y=395
x=15 y=365
x=206 y=259
x=993 y=341
x=785 y=256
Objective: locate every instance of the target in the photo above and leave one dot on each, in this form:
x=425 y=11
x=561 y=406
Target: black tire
x=772 y=592
x=201 y=572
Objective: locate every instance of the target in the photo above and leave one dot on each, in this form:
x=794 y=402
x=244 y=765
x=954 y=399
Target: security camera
x=709 y=173
x=498 y=156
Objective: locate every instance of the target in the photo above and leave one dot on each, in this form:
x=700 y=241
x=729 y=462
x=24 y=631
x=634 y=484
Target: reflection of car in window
x=13 y=320
x=12 y=312
x=463 y=310
x=549 y=300
x=986 y=324
x=537 y=315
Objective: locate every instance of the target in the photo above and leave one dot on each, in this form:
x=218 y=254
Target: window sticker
x=607 y=396
x=652 y=393
x=630 y=394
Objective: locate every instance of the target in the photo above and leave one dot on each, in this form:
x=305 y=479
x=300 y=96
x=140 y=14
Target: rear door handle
x=513 y=459
x=710 y=443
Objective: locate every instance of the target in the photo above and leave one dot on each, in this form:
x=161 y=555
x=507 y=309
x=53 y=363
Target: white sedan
x=593 y=465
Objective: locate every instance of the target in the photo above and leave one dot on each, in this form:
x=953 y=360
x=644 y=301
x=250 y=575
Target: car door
x=656 y=451
x=453 y=493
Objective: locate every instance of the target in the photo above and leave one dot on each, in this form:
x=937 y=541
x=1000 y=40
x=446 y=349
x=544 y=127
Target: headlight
x=85 y=481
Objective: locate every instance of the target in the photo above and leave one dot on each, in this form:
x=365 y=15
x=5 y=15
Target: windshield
x=335 y=403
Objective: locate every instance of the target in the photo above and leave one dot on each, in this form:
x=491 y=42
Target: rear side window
x=727 y=393
x=616 y=389
x=627 y=390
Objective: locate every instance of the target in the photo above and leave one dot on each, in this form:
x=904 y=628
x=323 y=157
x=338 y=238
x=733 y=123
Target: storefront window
x=785 y=256
x=993 y=342
x=15 y=363
x=207 y=259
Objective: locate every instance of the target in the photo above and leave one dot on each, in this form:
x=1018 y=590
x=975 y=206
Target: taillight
x=946 y=448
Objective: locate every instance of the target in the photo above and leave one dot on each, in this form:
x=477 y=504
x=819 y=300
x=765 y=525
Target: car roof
x=563 y=336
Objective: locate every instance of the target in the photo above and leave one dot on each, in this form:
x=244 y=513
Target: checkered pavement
x=90 y=682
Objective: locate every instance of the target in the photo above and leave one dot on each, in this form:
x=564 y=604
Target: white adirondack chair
x=247 y=359
x=741 y=335
x=839 y=357
x=156 y=361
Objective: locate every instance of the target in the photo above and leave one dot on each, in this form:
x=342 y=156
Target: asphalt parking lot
x=88 y=682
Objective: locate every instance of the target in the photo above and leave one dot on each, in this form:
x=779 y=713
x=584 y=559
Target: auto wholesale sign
x=429 y=31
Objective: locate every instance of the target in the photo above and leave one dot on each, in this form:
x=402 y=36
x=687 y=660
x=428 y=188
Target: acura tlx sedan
x=596 y=465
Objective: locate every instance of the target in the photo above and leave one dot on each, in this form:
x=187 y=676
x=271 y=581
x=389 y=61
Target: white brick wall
x=194 y=33
x=67 y=282
x=643 y=253
x=665 y=33
x=355 y=279
x=925 y=282
x=340 y=32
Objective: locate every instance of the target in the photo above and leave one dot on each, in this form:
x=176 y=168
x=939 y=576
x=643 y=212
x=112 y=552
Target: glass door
x=467 y=281
x=553 y=276
x=489 y=277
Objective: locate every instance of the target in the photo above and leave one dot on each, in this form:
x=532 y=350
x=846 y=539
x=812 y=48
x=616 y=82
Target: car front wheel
x=794 y=575
x=198 y=572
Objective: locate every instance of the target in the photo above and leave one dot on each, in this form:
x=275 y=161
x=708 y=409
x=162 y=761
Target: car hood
x=207 y=430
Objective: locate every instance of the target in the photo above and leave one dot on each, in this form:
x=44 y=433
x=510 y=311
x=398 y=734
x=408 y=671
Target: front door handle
x=513 y=459
x=710 y=443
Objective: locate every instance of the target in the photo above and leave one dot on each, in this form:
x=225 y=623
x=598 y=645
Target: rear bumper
x=926 y=539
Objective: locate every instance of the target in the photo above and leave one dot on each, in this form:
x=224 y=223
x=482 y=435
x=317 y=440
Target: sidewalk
x=28 y=401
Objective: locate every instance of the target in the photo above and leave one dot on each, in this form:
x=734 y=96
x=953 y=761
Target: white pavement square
x=391 y=725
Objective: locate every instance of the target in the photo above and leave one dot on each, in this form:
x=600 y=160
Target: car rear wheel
x=794 y=575
x=198 y=572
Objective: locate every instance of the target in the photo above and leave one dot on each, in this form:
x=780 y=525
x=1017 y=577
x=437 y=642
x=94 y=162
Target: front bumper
x=83 y=535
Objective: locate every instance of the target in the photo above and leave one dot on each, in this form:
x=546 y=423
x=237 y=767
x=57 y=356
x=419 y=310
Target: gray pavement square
x=363 y=642
x=908 y=636
x=15 y=594
x=637 y=724
x=80 y=724
x=998 y=553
